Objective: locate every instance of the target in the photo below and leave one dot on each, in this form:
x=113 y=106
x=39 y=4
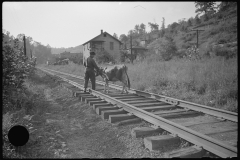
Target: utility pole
x=198 y=30
x=31 y=53
x=25 y=53
x=131 y=46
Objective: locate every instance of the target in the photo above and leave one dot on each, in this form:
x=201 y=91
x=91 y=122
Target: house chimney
x=101 y=31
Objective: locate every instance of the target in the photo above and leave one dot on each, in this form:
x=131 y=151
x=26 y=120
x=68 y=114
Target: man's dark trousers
x=89 y=74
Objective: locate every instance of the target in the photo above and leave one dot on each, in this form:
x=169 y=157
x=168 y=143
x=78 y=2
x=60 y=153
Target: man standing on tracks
x=90 y=64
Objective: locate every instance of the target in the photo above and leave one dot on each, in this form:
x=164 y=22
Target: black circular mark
x=18 y=135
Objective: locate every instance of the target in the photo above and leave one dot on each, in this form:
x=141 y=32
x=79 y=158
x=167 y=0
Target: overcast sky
x=69 y=24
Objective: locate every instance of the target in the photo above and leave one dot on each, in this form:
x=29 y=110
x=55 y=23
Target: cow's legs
x=107 y=87
x=126 y=89
x=123 y=88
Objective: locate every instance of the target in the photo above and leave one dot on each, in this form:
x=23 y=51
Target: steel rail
x=231 y=116
x=217 y=147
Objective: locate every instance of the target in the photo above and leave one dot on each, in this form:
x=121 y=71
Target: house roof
x=92 y=40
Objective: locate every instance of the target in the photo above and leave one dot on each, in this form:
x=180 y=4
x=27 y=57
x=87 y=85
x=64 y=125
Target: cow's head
x=102 y=73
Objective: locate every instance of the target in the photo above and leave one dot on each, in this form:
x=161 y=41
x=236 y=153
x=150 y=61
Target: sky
x=69 y=24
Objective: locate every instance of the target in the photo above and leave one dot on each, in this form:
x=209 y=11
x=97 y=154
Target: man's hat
x=92 y=53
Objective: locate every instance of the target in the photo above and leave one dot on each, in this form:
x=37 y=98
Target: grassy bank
x=30 y=113
x=212 y=82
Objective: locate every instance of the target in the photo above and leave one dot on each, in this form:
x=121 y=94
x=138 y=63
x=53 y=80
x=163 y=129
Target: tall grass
x=71 y=68
x=211 y=82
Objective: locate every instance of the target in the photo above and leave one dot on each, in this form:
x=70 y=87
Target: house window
x=111 y=45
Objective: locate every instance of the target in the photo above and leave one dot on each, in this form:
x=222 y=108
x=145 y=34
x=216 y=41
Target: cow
x=115 y=73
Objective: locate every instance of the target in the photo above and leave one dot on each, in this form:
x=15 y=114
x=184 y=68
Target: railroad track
x=209 y=129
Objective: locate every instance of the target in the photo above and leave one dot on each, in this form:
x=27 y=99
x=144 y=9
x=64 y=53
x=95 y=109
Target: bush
x=154 y=58
x=186 y=45
x=16 y=67
x=104 y=57
x=222 y=41
x=224 y=52
x=165 y=47
x=181 y=53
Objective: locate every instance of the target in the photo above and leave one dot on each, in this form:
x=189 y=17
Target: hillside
x=77 y=49
x=218 y=35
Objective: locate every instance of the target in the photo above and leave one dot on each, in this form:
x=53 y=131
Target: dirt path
x=81 y=133
x=68 y=128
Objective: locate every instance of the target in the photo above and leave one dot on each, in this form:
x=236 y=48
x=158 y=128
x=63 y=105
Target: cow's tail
x=128 y=81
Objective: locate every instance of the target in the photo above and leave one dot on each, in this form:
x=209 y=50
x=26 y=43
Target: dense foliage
x=16 y=67
x=104 y=57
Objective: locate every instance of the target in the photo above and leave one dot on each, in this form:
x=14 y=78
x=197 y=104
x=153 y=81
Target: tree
x=104 y=56
x=115 y=35
x=189 y=22
x=181 y=21
x=137 y=28
x=16 y=68
x=130 y=33
x=174 y=25
x=123 y=38
x=197 y=20
x=166 y=47
x=205 y=7
x=163 y=24
x=225 y=5
x=142 y=28
x=183 y=28
x=206 y=17
x=163 y=27
x=153 y=26
x=20 y=37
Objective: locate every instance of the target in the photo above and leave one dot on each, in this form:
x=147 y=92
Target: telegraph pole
x=30 y=53
x=25 y=53
x=198 y=30
x=131 y=47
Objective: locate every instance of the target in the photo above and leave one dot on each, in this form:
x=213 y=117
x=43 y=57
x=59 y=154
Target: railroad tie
x=106 y=114
x=128 y=122
x=91 y=99
x=120 y=117
x=91 y=103
x=83 y=97
x=145 y=131
x=99 y=110
x=95 y=106
x=189 y=152
x=156 y=142
x=77 y=93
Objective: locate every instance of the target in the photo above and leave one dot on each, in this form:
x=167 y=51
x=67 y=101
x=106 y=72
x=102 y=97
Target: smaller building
x=138 y=51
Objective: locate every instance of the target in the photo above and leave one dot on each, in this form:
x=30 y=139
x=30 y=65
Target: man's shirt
x=90 y=64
